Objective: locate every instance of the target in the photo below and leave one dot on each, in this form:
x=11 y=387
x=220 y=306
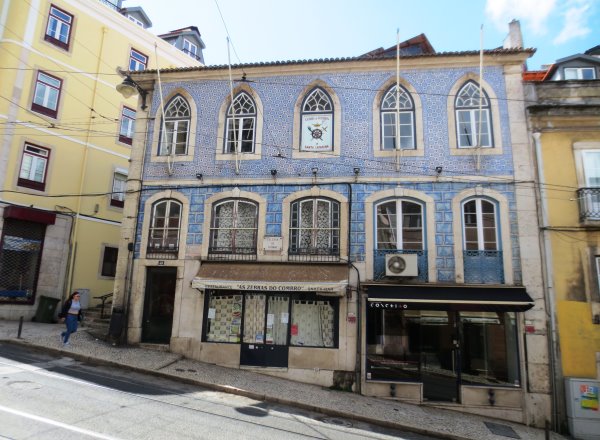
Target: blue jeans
x=71 y=323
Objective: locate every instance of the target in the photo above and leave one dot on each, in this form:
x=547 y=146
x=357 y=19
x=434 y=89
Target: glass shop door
x=266 y=324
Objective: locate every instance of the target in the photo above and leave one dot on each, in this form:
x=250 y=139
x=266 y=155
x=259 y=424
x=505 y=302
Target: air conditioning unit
x=401 y=265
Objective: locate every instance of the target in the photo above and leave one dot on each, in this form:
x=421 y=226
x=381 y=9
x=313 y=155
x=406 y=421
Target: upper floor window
x=117 y=197
x=137 y=60
x=397 y=115
x=240 y=125
x=589 y=196
x=190 y=48
x=234 y=227
x=316 y=133
x=34 y=167
x=165 y=226
x=399 y=225
x=177 y=125
x=580 y=73
x=58 y=31
x=479 y=224
x=46 y=95
x=127 y=127
x=315 y=227
x=473 y=123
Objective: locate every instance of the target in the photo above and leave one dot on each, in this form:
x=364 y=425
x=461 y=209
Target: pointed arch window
x=234 y=227
x=390 y=140
x=177 y=126
x=473 y=121
x=400 y=225
x=165 y=226
x=317 y=122
x=240 y=125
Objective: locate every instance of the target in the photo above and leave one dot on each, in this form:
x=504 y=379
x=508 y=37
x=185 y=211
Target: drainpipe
x=547 y=277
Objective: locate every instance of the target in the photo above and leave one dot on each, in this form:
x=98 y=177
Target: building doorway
x=158 y=305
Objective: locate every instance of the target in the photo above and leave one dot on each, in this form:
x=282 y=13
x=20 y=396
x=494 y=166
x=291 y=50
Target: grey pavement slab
x=386 y=412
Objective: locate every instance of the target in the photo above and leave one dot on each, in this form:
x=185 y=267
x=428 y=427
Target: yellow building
x=65 y=141
x=564 y=109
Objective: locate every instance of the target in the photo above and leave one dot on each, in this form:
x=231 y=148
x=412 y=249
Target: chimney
x=514 y=39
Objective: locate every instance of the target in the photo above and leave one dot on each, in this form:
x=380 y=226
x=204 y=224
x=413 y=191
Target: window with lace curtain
x=315 y=227
x=233 y=228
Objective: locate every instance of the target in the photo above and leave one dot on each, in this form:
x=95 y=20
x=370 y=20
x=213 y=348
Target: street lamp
x=129 y=88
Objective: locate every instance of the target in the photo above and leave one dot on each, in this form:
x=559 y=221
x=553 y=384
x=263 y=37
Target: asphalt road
x=47 y=397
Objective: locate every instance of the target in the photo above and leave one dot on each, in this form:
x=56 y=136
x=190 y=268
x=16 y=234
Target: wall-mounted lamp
x=129 y=88
x=315 y=170
x=199 y=176
x=356 y=171
x=273 y=173
x=439 y=170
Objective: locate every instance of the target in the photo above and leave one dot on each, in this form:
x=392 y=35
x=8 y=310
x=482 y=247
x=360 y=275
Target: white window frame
x=479 y=224
x=399 y=226
x=58 y=29
x=119 y=184
x=33 y=158
x=323 y=107
x=472 y=110
x=246 y=113
x=127 y=126
x=46 y=94
x=137 y=60
x=190 y=48
x=164 y=244
x=388 y=109
x=177 y=122
x=578 y=73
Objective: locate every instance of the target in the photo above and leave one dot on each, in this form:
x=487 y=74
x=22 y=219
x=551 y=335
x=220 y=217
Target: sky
x=281 y=30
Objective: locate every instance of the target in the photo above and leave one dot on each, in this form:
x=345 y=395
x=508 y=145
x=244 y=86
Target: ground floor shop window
x=224 y=318
x=477 y=348
x=284 y=319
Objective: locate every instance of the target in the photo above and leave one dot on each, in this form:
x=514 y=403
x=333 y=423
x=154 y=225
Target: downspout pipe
x=549 y=288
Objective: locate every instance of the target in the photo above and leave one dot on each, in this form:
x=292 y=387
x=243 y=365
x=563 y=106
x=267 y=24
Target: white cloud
x=533 y=13
x=575 y=21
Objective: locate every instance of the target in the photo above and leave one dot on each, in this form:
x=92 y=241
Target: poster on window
x=317 y=133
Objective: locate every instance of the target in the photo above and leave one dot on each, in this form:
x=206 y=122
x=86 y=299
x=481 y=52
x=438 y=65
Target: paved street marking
x=55 y=423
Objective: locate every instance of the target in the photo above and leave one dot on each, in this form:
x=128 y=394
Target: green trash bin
x=46 y=309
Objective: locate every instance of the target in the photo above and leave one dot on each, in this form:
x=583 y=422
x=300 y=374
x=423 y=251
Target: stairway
x=95 y=324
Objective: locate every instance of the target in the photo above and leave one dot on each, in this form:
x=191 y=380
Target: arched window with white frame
x=482 y=252
x=240 y=125
x=399 y=225
x=177 y=126
x=473 y=118
x=317 y=129
x=397 y=114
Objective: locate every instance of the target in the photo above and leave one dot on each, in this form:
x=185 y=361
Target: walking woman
x=71 y=313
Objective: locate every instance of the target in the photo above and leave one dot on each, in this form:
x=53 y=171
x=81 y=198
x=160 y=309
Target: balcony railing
x=589 y=203
x=110 y=4
x=483 y=267
x=379 y=263
x=227 y=253
x=314 y=254
x=192 y=54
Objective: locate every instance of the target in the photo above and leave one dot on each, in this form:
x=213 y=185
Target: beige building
x=65 y=143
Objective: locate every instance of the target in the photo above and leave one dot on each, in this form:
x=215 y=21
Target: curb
x=239 y=392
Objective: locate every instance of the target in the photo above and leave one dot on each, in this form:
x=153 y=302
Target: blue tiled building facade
x=321 y=251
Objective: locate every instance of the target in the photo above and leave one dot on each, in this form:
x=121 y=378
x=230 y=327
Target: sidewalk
x=383 y=412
